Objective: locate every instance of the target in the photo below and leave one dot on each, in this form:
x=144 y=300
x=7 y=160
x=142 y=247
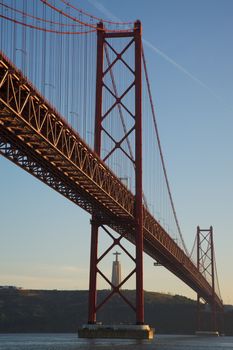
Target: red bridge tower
x=104 y=67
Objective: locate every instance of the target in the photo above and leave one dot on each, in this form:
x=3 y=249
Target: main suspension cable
x=45 y=2
x=217 y=280
x=93 y=26
x=94 y=17
x=161 y=153
x=42 y=28
x=25 y=14
x=193 y=247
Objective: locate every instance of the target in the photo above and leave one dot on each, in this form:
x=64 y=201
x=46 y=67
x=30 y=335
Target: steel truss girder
x=31 y=129
x=29 y=117
x=14 y=151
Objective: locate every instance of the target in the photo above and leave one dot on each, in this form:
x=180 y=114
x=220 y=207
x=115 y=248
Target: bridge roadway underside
x=35 y=137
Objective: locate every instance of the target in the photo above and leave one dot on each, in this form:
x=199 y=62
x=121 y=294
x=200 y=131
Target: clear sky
x=45 y=238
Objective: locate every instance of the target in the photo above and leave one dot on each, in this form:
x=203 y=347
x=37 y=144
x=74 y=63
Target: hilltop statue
x=116 y=270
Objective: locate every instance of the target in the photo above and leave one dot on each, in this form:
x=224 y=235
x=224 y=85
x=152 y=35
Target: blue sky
x=45 y=239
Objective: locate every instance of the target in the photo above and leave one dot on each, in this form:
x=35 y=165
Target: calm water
x=71 y=342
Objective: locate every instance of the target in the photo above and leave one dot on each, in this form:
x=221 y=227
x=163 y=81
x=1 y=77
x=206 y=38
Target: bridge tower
x=105 y=42
x=206 y=265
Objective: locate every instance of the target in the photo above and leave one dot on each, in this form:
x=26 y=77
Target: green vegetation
x=64 y=311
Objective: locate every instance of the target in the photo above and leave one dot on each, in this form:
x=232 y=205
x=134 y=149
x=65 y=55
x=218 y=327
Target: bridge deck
x=34 y=136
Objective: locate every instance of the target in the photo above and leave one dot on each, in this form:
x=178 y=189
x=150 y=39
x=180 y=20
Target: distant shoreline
x=63 y=311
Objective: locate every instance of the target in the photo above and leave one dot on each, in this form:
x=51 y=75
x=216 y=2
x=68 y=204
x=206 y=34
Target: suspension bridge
x=76 y=112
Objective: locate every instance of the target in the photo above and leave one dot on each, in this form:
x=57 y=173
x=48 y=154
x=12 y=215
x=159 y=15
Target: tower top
x=116 y=253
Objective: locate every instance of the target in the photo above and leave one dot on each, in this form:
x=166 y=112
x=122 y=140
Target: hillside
x=24 y=310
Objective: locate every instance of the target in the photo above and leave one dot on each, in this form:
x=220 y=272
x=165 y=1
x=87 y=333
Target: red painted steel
x=102 y=45
x=205 y=265
x=198 y=296
x=214 y=319
x=97 y=148
x=99 y=87
x=93 y=272
x=138 y=178
x=35 y=137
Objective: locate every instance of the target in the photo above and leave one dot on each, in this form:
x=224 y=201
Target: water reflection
x=72 y=342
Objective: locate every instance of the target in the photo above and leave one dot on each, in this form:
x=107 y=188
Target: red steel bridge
x=76 y=111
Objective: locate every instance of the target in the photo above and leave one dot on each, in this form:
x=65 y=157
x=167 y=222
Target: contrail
x=104 y=10
x=174 y=63
x=181 y=68
x=100 y=7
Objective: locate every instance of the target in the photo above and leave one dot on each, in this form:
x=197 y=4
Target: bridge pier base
x=207 y=333
x=116 y=331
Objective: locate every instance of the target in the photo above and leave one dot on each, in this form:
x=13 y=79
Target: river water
x=72 y=342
